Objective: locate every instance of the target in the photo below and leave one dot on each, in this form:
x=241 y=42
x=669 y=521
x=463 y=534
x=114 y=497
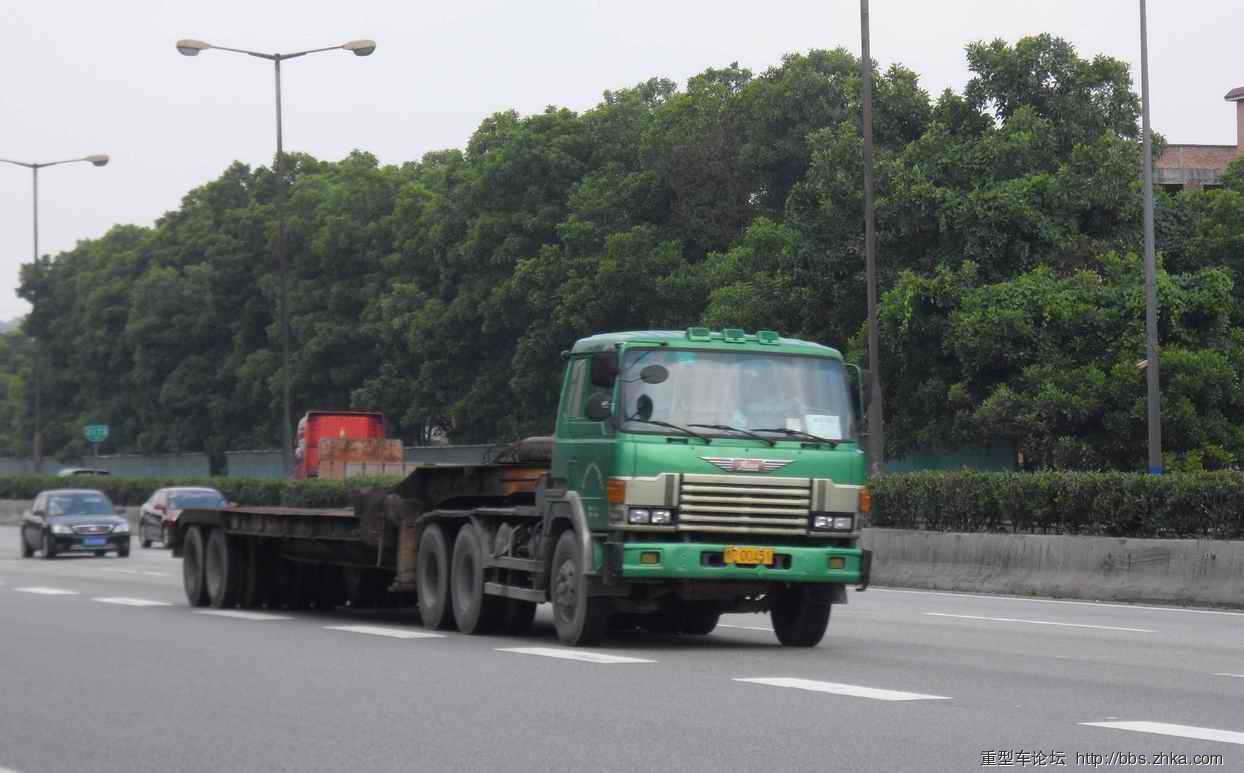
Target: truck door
x=587 y=444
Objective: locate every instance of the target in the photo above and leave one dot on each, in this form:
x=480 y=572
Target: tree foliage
x=442 y=291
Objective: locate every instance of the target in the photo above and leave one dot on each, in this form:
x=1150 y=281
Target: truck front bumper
x=704 y=561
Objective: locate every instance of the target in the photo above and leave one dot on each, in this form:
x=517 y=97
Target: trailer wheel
x=800 y=615
x=475 y=611
x=192 y=568
x=222 y=570
x=580 y=619
x=432 y=578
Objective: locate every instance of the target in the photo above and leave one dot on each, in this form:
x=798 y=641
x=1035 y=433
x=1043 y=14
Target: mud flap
x=866 y=569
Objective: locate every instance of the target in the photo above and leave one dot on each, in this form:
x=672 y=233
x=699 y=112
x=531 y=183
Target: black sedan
x=74 y=521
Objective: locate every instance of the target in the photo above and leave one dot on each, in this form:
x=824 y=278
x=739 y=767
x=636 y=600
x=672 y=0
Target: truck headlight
x=58 y=528
x=639 y=515
x=662 y=517
x=833 y=522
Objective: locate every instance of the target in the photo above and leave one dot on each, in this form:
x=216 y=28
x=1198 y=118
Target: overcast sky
x=104 y=77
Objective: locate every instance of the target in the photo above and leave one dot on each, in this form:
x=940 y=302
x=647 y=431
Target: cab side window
x=576 y=389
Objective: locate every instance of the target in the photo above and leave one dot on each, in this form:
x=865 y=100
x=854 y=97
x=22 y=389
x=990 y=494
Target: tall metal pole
x=1151 y=300
x=282 y=262
x=36 y=443
x=876 y=440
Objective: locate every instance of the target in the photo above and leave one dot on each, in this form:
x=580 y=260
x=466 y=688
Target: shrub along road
x=905 y=680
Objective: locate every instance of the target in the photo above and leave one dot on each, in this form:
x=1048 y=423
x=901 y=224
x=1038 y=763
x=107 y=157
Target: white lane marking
x=1057 y=601
x=853 y=690
x=47 y=591
x=746 y=627
x=1182 y=731
x=1041 y=622
x=1224 y=673
x=125 y=601
x=143 y=572
x=395 y=633
x=568 y=654
x=240 y=615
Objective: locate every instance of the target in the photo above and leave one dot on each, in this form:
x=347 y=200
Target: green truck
x=689 y=474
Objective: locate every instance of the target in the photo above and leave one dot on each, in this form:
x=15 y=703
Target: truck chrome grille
x=744 y=504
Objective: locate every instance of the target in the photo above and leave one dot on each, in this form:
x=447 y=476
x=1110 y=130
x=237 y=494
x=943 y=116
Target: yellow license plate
x=749 y=556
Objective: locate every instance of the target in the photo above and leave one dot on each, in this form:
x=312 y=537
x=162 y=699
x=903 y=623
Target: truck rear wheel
x=432 y=578
x=192 y=568
x=475 y=611
x=580 y=619
x=222 y=570
x=800 y=615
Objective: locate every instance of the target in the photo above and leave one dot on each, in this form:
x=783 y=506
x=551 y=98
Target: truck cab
x=715 y=471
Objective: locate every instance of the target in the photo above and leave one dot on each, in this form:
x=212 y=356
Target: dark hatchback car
x=158 y=514
x=74 y=521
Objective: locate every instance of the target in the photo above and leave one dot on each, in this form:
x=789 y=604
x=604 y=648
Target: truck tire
x=474 y=611
x=432 y=578
x=800 y=615
x=699 y=619
x=192 y=568
x=222 y=570
x=580 y=619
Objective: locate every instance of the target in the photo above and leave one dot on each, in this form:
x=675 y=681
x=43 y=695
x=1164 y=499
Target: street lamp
x=1153 y=383
x=191 y=47
x=97 y=159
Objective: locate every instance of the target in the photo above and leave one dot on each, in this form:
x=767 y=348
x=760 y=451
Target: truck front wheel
x=432 y=578
x=580 y=619
x=800 y=615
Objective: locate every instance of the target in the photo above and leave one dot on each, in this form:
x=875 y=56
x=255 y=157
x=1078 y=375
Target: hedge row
x=245 y=491
x=1108 y=503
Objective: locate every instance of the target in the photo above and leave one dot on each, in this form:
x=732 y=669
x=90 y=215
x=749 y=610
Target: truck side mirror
x=599 y=406
x=604 y=369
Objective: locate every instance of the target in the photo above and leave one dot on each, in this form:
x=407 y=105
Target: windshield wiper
x=728 y=428
x=798 y=433
x=705 y=438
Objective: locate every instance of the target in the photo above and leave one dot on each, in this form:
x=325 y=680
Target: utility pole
x=876 y=440
x=1151 y=299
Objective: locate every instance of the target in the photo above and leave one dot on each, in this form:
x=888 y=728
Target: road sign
x=96 y=433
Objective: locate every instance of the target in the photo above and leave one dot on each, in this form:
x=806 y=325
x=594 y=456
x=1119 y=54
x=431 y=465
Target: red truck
x=322 y=425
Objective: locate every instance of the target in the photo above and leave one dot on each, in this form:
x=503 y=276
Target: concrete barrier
x=1161 y=571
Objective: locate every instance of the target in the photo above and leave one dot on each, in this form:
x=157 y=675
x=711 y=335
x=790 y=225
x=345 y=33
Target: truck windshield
x=745 y=389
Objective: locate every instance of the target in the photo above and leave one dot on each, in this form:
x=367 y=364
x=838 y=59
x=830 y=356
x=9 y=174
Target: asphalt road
x=107 y=669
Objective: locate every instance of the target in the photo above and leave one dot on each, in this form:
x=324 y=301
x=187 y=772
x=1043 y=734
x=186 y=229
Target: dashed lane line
x=44 y=591
x=125 y=601
x=1002 y=597
x=1180 y=731
x=393 y=633
x=1224 y=673
x=746 y=627
x=1041 y=622
x=569 y=654
x=240 y=615
x=141 y=572
x=836 y=688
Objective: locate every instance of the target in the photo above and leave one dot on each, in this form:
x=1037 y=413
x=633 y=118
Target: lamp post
x=190 y=47
x=1154 y=395
x=876 y=438
x=98 y=159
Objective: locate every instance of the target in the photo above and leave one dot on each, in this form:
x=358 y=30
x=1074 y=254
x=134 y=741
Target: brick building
x=1200 y=166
